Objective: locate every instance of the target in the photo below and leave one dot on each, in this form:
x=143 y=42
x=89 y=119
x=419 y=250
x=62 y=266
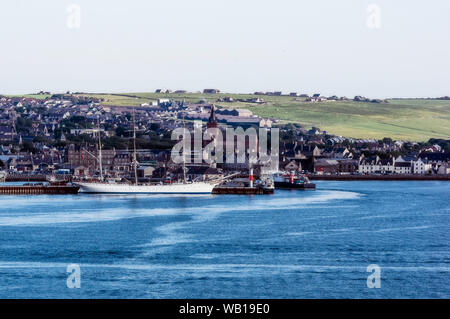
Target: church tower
x=212 y=122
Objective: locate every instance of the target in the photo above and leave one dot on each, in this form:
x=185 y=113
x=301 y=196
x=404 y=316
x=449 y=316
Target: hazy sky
x=323 y=46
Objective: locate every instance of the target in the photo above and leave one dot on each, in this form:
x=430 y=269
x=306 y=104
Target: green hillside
x=407 y=119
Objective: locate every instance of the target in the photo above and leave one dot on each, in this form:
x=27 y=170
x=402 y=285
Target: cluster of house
x=230 y=117
x=25 y=118
x=302 y=157
x=424 y=163
x=317 y=97
x=82 y=162
x=331 y=159
x=41 y=122
x=229 y=99
x=169 y=91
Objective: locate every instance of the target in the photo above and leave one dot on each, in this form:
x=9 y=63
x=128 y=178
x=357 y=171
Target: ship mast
x=99 y=150
x=134 y=147
x=184 y=155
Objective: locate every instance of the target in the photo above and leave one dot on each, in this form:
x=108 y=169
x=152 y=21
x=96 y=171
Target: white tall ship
x=175 y=188
x=124 y=188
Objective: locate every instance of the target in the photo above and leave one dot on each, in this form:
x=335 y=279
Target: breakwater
x=38 y=190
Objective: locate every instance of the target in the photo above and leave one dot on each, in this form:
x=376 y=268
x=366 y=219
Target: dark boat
x=246 y=186
x=292 y=181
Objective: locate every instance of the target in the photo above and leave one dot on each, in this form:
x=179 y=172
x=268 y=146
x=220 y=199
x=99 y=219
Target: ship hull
x=193 y=188
x=287 y=185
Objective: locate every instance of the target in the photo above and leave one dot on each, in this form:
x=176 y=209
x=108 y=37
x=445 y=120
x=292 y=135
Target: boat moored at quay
x=292 y=181
x=124 y=188
x=244 y=185
x=178 y=187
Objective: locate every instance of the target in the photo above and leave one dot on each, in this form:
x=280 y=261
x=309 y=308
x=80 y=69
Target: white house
x=387 y=165
x=368 y=165
x=403 y=168
x=418 y=166
x=375 y=165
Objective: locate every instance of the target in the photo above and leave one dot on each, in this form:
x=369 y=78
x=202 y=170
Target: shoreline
x=379 y=177
x=43 y=178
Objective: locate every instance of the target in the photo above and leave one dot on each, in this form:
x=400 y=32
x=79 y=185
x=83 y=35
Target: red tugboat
x=293 y=181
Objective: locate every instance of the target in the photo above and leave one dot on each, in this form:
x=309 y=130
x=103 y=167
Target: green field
x=408 y=119
x=34 y=96
x=404 y=119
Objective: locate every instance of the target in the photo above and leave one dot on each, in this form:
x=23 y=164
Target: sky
x=378 y=48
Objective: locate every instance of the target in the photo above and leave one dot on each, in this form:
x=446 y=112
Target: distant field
x=408 y=119
x=34 y=96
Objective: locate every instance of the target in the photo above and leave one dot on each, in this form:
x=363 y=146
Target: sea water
x=293 y=244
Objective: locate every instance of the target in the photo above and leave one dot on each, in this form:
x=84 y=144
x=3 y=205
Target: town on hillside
x=59 y=134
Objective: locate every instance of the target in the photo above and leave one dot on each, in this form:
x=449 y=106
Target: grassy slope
x=408 y=119
x=34 y=96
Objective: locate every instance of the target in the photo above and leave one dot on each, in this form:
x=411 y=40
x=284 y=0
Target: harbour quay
x=38 y=190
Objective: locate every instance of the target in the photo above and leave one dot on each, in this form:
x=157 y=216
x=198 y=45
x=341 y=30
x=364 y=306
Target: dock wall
x=38 y=190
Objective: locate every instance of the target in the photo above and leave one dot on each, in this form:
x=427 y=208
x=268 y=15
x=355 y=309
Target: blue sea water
x=293 y=244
